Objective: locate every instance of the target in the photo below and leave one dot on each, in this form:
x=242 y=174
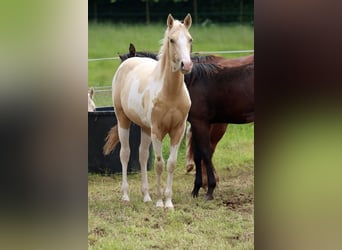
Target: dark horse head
x=133 y=53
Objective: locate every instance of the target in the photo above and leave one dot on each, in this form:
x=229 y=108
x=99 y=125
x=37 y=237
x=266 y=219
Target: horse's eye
x=190 y=40
x=171 y=40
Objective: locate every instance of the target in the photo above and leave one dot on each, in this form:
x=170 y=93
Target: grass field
x=107 y=40
x=227 y=222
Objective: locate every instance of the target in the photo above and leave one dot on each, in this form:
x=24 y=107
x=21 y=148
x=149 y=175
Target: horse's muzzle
x=186 y=66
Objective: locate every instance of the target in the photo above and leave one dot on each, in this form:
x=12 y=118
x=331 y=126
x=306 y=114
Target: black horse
x=221 y=92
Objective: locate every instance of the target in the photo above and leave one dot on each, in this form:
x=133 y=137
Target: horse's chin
x=185 y=71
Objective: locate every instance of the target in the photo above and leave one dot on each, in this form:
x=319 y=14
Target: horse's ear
x=170 y=21
x=131 y=50
x=91 y=93
x=188 y=21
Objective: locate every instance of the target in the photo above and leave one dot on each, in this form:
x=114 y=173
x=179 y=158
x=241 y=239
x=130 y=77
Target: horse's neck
x=172 y=81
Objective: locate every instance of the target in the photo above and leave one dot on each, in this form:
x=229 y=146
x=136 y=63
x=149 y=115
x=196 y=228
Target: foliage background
x=156 y=10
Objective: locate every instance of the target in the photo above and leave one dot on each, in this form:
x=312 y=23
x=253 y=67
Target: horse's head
x=91 y=104
x=133 y=53
x=178 y=41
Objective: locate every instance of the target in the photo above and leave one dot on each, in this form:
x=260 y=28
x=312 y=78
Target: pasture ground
x=227 y=222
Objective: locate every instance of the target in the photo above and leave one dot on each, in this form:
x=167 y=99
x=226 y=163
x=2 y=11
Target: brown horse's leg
x=198 y=175
x=189 y=151
x=202 y=151
x=217 y=131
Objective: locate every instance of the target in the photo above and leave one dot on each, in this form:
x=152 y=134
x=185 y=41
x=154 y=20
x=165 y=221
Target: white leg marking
x=143 y=157
x=124 y=157
x=158 y=165
x=171 y=166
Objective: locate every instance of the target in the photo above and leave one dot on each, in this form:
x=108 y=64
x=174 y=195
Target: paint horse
x=153 y=95
x=216 y=130
x=91 y=104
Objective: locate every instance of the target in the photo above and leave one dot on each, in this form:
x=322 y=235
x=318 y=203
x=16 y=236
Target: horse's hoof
x=194 y=194
x=160 y=203
x=147 y=198
x=169 y=205
x=189 y=167
x=208 y=197
x=125 y=199
x=126 y=202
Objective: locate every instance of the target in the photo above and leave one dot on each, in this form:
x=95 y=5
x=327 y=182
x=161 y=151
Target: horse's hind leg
x=143 y=157
x=124 y=157
x=189 y=151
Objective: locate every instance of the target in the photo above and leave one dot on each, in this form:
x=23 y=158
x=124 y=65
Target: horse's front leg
x=201 y=142
x=176 y=136
x=158 y=165
x=198 y=174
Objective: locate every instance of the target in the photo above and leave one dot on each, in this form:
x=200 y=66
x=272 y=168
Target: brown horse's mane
x=205 y=59
x=200 y=70
x=195 y=58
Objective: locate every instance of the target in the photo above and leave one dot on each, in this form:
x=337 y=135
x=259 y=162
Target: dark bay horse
x=222 y=92
x=219 y=95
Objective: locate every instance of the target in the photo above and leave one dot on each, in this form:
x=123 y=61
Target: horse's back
x=131 y=93
x=236 y=62
x=224 y=96
x=237 y=101
x=134 y=64
x=130 y=70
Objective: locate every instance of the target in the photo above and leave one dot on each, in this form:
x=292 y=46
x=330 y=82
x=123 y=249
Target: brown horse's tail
x=111 y=140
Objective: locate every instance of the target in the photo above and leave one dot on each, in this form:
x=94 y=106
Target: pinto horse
x=216 y=130
x=153 y=95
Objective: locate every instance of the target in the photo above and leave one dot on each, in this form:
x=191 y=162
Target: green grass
x=227 y=222
x=107 y=40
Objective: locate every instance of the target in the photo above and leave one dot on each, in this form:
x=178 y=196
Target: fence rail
x=194 y=53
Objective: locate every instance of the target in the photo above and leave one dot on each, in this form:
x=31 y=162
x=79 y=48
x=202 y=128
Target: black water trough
x=99 y=123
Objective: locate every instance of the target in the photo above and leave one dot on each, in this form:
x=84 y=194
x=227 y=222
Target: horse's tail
x=111 y=140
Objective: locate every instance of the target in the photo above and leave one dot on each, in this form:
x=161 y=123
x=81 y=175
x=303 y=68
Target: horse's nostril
x=182 y=64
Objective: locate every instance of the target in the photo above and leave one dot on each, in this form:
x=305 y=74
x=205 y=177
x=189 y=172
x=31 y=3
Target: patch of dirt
x=241 y=202
x=94 y=234
x=98 y=231
x=238 y=185
x=92 y=241
x=248 y=236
